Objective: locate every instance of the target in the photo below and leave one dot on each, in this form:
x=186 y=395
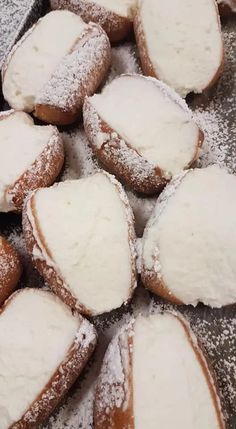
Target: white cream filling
x=122 y=8
x=33 y=62
x=169 y=387
x=143 y=113
x=195 y=238
x=36 y=331
x=183 y=41
x=85 y=228
x=21 y=142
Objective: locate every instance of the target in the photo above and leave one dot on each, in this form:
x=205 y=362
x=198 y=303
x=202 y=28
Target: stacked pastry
x=80 y=233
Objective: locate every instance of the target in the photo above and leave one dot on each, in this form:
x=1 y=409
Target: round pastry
x=49 y=71
x=44 y=348
x=148 y=137
x=155 y=375
x=31 y=156
x=81 y=237
x=10 y=269
x=180 y=42
x=114 y=16
x=189 y=243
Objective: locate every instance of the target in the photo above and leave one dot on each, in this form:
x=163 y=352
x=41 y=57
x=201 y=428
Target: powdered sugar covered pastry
x=180 y=42
x=81 y=237
x=10 y=269
x=155 y=375
x=31 y=156
x=114 y=16
x=44 y=347
x=190 y=240
x=49 y=71
x=148 y=137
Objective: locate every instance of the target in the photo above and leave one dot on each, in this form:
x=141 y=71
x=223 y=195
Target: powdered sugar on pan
x=124 y=60
x=15 y=17
x=142 y=208
x=216 y=113
x=80 y=160
x=216 y=337
x=216 y=329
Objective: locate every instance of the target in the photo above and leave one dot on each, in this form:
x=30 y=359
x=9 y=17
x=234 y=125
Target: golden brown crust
x=108 y=414
x=146 y=63
x=50 y=274
x=42 y=173
x=10 y=269
x=124 y=161
x=53 y=115
x=145 y=60
x=157 y=286
x=78 y=74
x=63 y=378
x=117 y=27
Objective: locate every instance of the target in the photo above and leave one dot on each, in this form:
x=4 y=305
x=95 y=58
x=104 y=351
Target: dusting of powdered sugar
x=217 y=333
x=77 y=73
x=112 y=377
x=8 y=263
x=80 y=160
x=86 y=334
x=142 y=208
x=216 y=114
x=42 y=168
x=15 y=18
x=124 y=60
x=77 y=412
x=217 y=337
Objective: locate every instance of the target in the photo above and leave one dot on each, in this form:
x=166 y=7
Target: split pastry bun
x=10 y=269
x=44 y=347
x=226 y=7
x=81 y=237
x=54 y=65
x=31 y=156
x=154 y=375
x=142 y=131
x=189 y=243
x=180 y=42
x=114 y=16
